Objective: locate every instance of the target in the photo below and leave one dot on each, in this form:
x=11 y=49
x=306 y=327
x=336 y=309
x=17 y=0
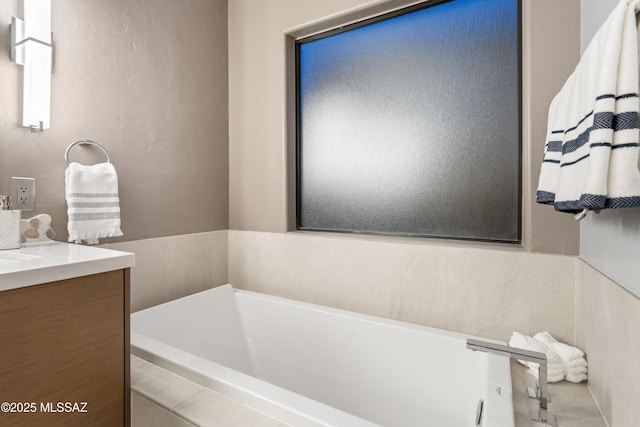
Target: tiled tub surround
x=607 y=328
x=398 y=278
x=172 y=267
x=485 y=290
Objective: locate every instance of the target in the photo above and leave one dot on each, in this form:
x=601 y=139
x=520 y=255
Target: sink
x=13 y=257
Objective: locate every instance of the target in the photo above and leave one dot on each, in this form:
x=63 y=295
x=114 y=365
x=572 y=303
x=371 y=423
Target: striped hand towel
x=93 y=206
x=591 y=152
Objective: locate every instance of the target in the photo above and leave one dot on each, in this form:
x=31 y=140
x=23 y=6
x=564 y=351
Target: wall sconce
x=31 y=47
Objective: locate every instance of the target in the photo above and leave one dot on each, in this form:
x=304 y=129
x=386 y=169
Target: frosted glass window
x=410 y=124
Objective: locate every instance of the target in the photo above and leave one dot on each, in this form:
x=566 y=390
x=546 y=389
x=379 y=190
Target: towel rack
x=581 y=215
x=85 y=142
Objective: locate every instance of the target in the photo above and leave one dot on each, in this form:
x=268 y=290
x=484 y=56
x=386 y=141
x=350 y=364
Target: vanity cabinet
x=64 y=359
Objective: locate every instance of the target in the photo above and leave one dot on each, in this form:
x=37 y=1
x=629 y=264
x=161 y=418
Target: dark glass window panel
x=411 y=125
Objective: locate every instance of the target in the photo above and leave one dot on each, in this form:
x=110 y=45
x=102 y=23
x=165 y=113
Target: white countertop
x=37 y=263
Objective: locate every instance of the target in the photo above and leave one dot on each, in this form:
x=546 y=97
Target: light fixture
x=31 y=47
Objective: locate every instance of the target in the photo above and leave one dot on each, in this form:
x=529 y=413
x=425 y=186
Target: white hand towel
x=93 y=206
x=591 y=151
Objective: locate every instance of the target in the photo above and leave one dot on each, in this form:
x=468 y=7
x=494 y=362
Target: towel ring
x=85 y=142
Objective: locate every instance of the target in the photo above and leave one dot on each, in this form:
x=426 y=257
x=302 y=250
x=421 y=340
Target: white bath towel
x=577 y=364
x=591 y=152
x=544 y=337
x=93 y=206
x=555 y=367
x=563 y=361
x=574 y=363
x=576 y=370
x=576 y=378
x=566 y=352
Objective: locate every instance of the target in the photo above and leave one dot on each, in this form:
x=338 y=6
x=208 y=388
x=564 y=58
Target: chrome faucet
x=540 y=393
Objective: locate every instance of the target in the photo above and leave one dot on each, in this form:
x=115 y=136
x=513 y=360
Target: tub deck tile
x=211 y=409
x=145 y=413
x=180 y=402
x=571 y=404
x=163 y=387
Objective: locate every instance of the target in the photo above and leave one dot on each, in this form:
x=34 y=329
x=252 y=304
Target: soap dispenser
x=9 y=225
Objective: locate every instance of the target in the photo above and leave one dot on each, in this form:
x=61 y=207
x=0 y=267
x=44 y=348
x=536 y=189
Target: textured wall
x=148 y=80
x=260 y=157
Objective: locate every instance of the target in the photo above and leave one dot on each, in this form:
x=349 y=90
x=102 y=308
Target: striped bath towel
x=93 y=206
x=591 y=152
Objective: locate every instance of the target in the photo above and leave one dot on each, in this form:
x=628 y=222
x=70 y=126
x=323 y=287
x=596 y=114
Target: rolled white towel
x=566 y=352
x=556 y=368
x=520 y=340
x=526 y=342
x=544 y=337
x=563 y=361
x=576 y=378
x=577 y=370
x=577 y=363
x=554 y=375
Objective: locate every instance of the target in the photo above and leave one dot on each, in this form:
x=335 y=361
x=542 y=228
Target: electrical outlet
x=23 y=193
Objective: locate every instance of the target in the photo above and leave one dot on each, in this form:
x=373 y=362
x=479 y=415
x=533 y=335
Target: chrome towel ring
x=85 y=142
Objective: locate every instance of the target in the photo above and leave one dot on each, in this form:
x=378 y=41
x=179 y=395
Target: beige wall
x=551 y=48
x=257 y=85
x=148 y=80
x=260 y=119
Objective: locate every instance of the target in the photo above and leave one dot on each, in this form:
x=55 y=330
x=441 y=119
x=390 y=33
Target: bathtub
x=309 y=365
